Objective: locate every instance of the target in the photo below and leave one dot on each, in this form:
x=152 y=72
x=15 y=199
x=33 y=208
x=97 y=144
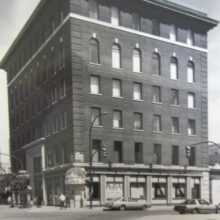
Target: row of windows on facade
x=54 y=154
x=117 y=122
x=51 y=126
x=151 y=26
x=137 y=61
x=51 y=97
x=95 y=88
x=36 y=42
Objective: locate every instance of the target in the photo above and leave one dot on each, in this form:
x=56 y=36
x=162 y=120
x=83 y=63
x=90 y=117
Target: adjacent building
x=144 y=63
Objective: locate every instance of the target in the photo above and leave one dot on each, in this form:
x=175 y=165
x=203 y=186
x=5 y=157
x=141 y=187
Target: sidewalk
x=54 y=209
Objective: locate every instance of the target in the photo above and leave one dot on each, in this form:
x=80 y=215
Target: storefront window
x=179 y=190
x=159 y=190
x=137 y=190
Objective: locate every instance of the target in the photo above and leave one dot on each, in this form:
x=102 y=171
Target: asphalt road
x=23 y=214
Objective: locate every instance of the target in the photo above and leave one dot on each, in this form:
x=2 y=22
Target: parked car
x=196 y=206
x=123 y=204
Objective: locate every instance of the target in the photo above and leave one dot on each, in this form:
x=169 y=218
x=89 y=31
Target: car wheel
x=181 y=212
x=195 y=211
x=144 y=207
x=122 y=208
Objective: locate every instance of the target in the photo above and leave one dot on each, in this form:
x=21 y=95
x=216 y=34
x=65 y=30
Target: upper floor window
x=63 y=120
x=190 y=72
x=137 y=92
x=136 y=60
x=136 y=21
x=174 y=97
x=93 y=9
x=138 y=121
x=173 y=32
x=95 y=85
x=116 y=56
x=157 y=154
x=138 y=152
x=96 y=150
x=191 y=127
x=94 y=113
x=174 y=68
x=155 y=64
x=189 y=37
x=175 y=125
x=94 y=51
x=62 y=88
x=157 y=123
x=117 y=119
x=118 y=151
x=191 y=100
x=156 y=94
x=54 y=94
x=175 y=155
x=116 y=88
x=61 y=54
x=114 y=15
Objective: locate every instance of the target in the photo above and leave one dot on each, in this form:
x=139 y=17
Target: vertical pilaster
x=149 y=189
x=188 y=188
x=126 y=187
x=169 y=189
x=103 y=189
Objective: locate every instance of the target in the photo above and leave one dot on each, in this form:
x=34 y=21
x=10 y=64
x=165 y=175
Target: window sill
x=138 y=72
x=191 y=82
x=53 y=103
x=157 y=132
x=97 y=94
x=192 y=108
x=156 y=75
x=138 y=130
x=97 y=126
x=176 y=134
x=117 y=128
x=96 y=64
x=158 y=103
x=172 y=105
x=118 y=97
x=175 y=79
x=115 y=68
x=138 y=100
x=62 y=97
x=192 y=135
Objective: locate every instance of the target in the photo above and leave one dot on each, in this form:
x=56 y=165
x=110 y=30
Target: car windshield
x=190 y=202
x=113 y=199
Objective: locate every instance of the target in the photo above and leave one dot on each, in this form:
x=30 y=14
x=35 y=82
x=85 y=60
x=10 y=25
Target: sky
x=14 y=14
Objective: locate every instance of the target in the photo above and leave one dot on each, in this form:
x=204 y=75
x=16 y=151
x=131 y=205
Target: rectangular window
x=191 y=100
x=173 y=71
x=93 y=9
x=137 y=92
x=192 y=159
x=175 y=125
x=118 y=152
x=116 y=88
x=63 y=120
x=189 y=38
x=156 y=94
x=175 y=155
x=96 y=112
x=95 y=85
x=55 y=123
x=138 y=121
x=157 y=154
x=63 y=88
x=160 y=190
x=136 y=21
x=96 y=150
x=117 y=119
x=191 y=127
x=54 y=94
x=138 y=153
x=190 y=73
x=174 y=97
x=173 y=32
x=114 y=15
x=116 y=56
x=157 y=123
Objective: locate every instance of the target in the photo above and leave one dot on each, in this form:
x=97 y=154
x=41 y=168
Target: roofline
x=160 y=3
x=184 y=10
x=24 y=28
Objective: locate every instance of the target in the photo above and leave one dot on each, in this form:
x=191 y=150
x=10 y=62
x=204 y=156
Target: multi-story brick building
x=143 y=62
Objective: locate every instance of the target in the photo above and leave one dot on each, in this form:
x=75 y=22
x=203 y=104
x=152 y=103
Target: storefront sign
x=114 y=190
x=75 y=176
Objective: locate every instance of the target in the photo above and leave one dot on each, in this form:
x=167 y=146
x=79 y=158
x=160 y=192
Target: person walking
x=62 y=200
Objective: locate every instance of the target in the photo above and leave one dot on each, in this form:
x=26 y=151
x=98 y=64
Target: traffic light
x=188 y=151
x=104 y=151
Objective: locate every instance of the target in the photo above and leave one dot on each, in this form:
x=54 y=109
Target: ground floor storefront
x=158 y=186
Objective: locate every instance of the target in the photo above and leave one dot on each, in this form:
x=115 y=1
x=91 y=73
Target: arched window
x=155 y=68
x=94 y=51
x=173 y=68
x=136 y=60
x=116 y=56
x=190 y=72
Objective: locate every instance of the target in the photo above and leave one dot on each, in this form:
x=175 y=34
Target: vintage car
x=195 y=206
x=124 y=203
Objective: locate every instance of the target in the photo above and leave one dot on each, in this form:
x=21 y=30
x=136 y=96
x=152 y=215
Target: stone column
x=103 y=188
x=126 y=187
x=188 y=188
x=149 y=189
x=169 y=190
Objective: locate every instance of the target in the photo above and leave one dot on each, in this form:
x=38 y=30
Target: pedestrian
x=10 y=202
x=62 y=200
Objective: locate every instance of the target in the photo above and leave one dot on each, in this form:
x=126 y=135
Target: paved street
x=54 y=213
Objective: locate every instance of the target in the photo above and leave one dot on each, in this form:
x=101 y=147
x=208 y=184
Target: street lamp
x=91 y=155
